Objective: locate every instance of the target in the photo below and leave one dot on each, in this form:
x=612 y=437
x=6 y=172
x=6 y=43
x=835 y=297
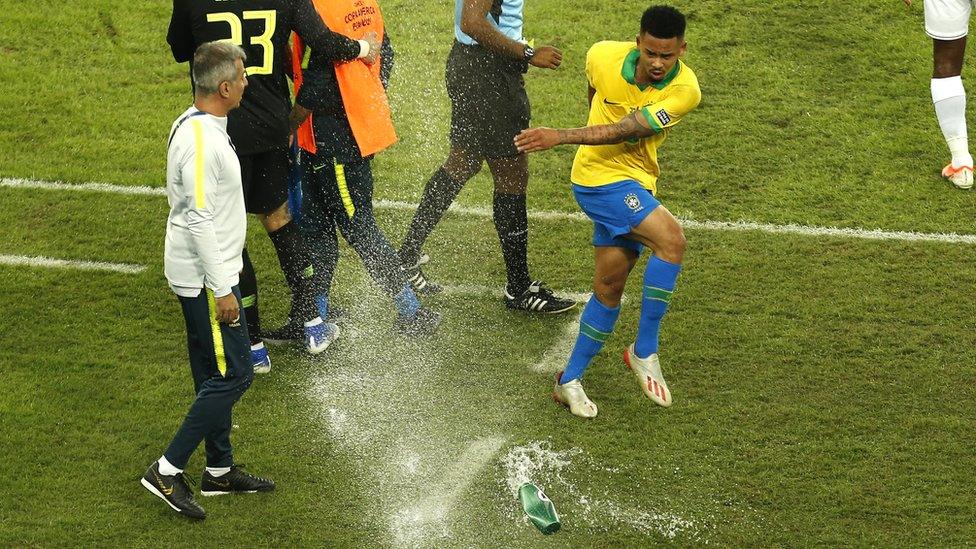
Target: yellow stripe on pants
x=340 y=175
x=218 y=339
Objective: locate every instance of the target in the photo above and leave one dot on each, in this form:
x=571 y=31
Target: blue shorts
x=615 y=209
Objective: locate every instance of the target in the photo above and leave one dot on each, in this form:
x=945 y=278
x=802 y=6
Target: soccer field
x=820 y=346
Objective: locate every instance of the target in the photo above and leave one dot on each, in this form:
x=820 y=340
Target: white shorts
x=947 y=19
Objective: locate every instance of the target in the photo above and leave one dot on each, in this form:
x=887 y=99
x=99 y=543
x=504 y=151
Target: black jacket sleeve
x=386 y=60
x=308 y=24
x=180 y=35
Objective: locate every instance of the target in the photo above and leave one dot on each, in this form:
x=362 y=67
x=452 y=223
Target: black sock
x=296 y=263
x=440 y=191
x=249 y=299
x=512 y=225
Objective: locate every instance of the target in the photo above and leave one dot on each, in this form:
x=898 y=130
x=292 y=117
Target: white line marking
x=483 y=212
x=554 y=359
x=38 y=261
x=428 y=517
x=91 y=187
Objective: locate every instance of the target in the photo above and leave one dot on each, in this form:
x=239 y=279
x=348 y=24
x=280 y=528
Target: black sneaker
x=416 y=278
x=236 y=481
x=174 y=490
x=538 y=299
x=424 y=323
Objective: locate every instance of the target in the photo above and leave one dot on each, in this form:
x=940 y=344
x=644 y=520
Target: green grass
x=823 y=386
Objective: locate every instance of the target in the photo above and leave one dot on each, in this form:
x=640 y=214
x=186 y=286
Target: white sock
x=314 y=322
x=218 y=471
x=949 y=98
x=167 y=469
x=257 y=346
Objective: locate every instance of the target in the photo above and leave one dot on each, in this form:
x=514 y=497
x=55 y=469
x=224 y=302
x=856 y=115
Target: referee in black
x=489 y=107
x=259 y=129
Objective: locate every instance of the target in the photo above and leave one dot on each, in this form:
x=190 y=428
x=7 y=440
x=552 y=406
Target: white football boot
x=961 y=177
x=572 y=395
x=649 y=376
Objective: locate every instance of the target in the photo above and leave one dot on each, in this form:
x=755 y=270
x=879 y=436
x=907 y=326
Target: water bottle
x=539 y=508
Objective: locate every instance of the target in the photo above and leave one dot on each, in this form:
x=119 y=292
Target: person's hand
x=908 y=2
x=228 y=311
x=546 y=57
x=374 y=47
x=536 y=139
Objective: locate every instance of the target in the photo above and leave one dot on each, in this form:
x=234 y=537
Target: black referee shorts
x=264 y=177
x=489 y=106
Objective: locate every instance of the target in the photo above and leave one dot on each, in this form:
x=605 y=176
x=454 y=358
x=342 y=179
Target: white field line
x=91 y=187
x=411 y=526
x=554 y=359
x=483 y=212
x=39 y=261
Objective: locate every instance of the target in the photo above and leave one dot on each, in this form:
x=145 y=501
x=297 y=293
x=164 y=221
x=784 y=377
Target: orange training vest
x=366 y=105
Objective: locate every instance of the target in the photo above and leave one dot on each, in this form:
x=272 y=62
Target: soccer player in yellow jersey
x=637 y=94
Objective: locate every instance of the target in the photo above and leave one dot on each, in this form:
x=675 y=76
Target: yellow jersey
x=610 y=69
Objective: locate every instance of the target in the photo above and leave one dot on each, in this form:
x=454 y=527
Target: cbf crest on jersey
x=633 y=202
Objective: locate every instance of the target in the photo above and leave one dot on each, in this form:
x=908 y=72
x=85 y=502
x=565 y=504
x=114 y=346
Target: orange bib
x=367 y=107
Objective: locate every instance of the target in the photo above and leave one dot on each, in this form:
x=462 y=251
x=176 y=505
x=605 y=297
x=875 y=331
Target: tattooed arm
x=632 y=126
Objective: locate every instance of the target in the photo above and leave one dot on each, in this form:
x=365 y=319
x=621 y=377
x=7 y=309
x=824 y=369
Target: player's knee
x=609 y=289
x=672 y=247
x=461 y=172
x=276 y=219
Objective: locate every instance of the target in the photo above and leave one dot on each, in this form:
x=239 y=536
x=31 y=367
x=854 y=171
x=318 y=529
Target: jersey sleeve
x=309 y=25
x=180 y=34
x=670 y=110
x=200 y=172
x=591 y=64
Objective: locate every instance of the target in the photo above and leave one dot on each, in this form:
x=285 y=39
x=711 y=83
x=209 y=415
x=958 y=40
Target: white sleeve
x=200 y=173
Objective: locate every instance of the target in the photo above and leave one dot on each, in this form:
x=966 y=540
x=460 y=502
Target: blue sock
x=406 y=302
x=322 y=303
x=596 y=324
x=659 y=279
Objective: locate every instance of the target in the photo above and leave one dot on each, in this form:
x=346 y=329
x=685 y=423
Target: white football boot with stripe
x=571 y=394
x=649 y=376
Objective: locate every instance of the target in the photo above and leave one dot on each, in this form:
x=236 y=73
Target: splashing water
x=539 y=463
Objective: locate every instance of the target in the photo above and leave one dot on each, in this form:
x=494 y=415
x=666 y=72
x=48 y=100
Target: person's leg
x=295 y=260
x=248 y=279
x=465 y=79
x=249 y=301
x=164 y=478
x=441 y=190
x=227 y=390
x=511 y=177
x=231 y=374
x=358 y=226
x=318 y=225
x=662 y=233
x=268 y=199
x=612 y=265
x=947 y=23
x=949 y=98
